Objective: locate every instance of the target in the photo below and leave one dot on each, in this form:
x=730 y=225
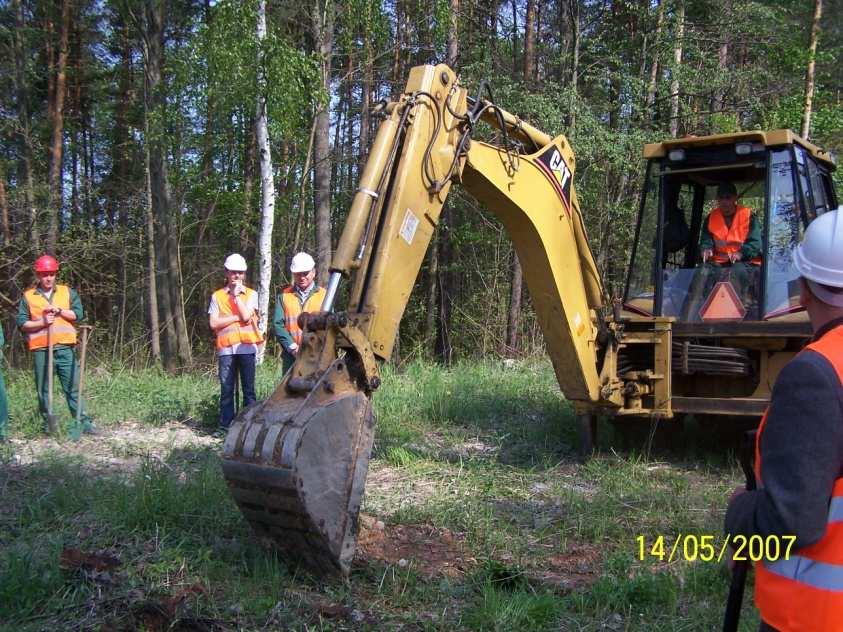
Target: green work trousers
x=4 y=406
x=64 y=365
x=287 y=360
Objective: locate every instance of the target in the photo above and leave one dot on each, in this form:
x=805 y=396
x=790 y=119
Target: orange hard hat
x=46 y=263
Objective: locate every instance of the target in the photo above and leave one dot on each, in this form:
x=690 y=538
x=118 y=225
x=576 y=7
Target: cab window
x=785 y=231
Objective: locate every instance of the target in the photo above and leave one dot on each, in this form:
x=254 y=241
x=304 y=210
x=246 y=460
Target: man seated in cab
x=730 y=245
x=731 y=233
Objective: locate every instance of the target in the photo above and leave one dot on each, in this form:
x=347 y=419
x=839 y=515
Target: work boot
x=89 y=428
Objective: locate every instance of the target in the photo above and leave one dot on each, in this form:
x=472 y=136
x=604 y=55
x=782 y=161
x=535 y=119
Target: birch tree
x=267 y=185
x=677 y=64
x=323 y=35
x=809 y=73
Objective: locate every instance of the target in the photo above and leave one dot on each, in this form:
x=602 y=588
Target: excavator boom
x=296 y=463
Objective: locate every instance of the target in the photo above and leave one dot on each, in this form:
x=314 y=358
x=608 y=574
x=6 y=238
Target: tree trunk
x=300 y=216
x=441 y=286
x=250 y=156
x=809 y=73
x=432 y=289
x=453 y=34
x=176 y=351
x=267 y=185
x=530 y=44
x=56 y=111
x=4 y=212
x=323 y=35
x=398 y=51
x=719 y=97
x=677 y=64
x=366 y=94
x=154 y=324
x=654 y=65
x=25 y=133
x=207 y=162
x=513 y=318
x=574 y=17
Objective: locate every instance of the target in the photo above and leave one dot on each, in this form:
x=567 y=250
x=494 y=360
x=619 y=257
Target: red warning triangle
x=722 y=304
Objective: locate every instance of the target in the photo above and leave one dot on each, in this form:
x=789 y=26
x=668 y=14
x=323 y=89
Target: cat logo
x=556 y=169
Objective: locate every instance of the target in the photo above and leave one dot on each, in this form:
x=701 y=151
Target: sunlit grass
x=479 y=450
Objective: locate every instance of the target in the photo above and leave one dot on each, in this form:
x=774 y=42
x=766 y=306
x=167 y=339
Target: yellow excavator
x=686 y=337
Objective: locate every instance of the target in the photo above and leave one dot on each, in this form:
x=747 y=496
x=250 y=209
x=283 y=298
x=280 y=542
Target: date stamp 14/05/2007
x=706 y=548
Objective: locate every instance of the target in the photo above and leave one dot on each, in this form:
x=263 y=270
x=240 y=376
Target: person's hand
x=707 y=254
x=734 y=257
x=738 y=491
x=49 y=316
x=294 y=348
x=236 y=288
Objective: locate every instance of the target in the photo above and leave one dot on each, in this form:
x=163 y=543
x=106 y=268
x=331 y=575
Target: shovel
x=76 y=429
x=52 y=422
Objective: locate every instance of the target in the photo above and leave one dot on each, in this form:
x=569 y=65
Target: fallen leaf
x=72 y=559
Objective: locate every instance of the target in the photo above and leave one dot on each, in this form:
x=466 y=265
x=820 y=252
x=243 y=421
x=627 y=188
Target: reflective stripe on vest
x=293 y=307
x=62 y=331
x=805 y=592
x=729 y=239
x=237 y=332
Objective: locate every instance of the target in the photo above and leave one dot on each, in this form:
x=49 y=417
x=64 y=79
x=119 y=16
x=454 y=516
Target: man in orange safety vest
x=46 y=316
x=232 y=315
x=799 y=458
x=303 y=295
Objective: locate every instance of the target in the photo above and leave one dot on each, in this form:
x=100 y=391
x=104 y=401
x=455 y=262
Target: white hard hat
x=819 y=258
x=235 y=263
x=302 y=262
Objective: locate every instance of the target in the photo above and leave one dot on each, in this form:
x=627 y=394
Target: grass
x=114 y=395
x=478 y=458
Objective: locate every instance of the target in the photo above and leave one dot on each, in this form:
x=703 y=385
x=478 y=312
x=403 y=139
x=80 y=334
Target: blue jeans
x=229 y=367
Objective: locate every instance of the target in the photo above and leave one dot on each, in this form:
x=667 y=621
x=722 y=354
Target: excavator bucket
x=296 y=463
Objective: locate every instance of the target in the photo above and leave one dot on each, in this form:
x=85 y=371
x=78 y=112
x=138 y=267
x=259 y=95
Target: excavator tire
x=296 y=466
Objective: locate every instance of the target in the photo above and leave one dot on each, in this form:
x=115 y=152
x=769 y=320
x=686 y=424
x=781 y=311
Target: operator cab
x=783 y=181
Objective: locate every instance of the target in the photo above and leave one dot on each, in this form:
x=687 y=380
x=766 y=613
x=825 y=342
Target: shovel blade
x=52 y=425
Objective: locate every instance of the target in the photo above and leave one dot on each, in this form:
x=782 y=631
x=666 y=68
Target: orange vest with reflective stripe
x=729 y=239
x=293 y=307
x=805 y=592
x=62 y=331
x=237 y=332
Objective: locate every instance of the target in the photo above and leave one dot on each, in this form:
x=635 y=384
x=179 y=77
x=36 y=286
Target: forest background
x=143 y=141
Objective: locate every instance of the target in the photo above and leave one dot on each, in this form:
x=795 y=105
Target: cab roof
x=769 y=139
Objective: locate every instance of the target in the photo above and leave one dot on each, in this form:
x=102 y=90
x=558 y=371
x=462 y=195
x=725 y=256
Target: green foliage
x=228 y=53
x=212 y=75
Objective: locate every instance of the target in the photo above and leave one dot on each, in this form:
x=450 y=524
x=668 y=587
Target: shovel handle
x=736 y=588
x=50 y=369
x=86 y=330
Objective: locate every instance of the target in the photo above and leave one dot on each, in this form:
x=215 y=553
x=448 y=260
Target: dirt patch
x=578 y=566
x=386 y=483
x=116 y=448
x=430 y=551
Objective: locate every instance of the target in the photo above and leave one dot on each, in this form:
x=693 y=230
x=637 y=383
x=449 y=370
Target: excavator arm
x=422 y=147
x=297 y=462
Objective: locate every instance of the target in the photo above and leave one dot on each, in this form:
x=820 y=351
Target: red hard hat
x=46 y=263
